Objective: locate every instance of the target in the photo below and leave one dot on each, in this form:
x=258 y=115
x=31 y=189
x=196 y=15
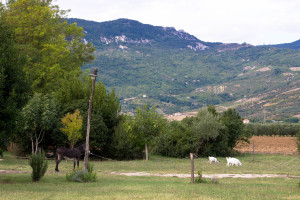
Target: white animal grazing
x=212 y=159
x=233 y=161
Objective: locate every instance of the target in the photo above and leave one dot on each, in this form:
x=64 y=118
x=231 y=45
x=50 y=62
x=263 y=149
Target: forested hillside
x=178 y=72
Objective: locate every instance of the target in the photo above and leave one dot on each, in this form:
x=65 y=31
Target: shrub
x=82 y=175
x=39 y=165
x=200 y=179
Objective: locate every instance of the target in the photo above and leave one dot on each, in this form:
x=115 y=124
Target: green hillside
x=177 y=72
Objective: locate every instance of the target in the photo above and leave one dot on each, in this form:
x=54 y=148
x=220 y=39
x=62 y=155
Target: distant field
x=270 y=145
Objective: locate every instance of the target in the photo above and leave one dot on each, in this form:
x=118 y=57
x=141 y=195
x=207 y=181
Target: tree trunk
x=36 y=145
x=32 y=145
x=199 y=145
x=146 y=151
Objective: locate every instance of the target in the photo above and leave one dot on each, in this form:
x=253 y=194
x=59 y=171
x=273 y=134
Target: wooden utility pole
x=87 y=140
x=192 y=168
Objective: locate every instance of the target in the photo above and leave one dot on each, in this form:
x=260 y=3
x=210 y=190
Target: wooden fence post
x=253 y=145
x=192 y=168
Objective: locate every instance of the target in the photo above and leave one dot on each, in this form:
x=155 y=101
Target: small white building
x=246 y=121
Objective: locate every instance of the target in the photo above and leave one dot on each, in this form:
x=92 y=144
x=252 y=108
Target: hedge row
x=278 y=129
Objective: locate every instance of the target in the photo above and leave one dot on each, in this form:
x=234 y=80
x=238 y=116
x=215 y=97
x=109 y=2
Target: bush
x=200 y=179
x=1 y=153
x=82 y=175
x=39 y=165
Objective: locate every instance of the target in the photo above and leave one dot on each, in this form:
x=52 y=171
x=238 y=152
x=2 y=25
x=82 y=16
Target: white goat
x=212 y=159
x=233 y=161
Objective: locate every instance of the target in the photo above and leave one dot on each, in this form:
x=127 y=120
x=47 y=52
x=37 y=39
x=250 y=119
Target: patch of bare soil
x=269 y=145
x=208 y=175
x=12 y=172
x=20 y=172
x=211 y=176
x=295 y=68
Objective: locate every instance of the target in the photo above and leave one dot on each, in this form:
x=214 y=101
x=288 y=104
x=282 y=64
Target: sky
x=255 y=22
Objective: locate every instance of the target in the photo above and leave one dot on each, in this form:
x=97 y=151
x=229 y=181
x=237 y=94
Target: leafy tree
x=212 y=110
x=72 y=127
x=233 y=126
x=125 y=144
x=55 y=50
x=292 y=120
x=176 y=141
x=13 y=85
x=147 y=125
x=204 y=126
x=39 y=115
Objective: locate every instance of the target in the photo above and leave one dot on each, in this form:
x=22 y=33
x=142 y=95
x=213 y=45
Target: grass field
x=54 y=185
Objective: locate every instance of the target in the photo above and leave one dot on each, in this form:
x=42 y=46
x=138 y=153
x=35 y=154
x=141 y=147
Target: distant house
x=246 y=121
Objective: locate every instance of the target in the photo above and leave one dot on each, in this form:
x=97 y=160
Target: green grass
x=55 y=186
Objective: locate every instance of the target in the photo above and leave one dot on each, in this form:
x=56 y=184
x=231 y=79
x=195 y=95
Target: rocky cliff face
x=125 y=31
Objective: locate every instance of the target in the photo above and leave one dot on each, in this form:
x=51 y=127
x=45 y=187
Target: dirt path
x=207 y=175
x=177 y=175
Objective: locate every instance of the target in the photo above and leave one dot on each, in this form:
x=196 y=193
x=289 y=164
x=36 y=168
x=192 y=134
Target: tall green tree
x=148 y=124
x=204 y=126
x=13 y=85
x=55 y=50
x=234 y=126
x=125 y=145
x=39 y=115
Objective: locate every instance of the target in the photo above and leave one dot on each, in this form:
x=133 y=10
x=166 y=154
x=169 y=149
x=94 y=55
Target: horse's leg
x=59 y=158
x=74 y=164
x=78 y=163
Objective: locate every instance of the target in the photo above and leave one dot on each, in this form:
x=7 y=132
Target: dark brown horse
x=71 y=154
